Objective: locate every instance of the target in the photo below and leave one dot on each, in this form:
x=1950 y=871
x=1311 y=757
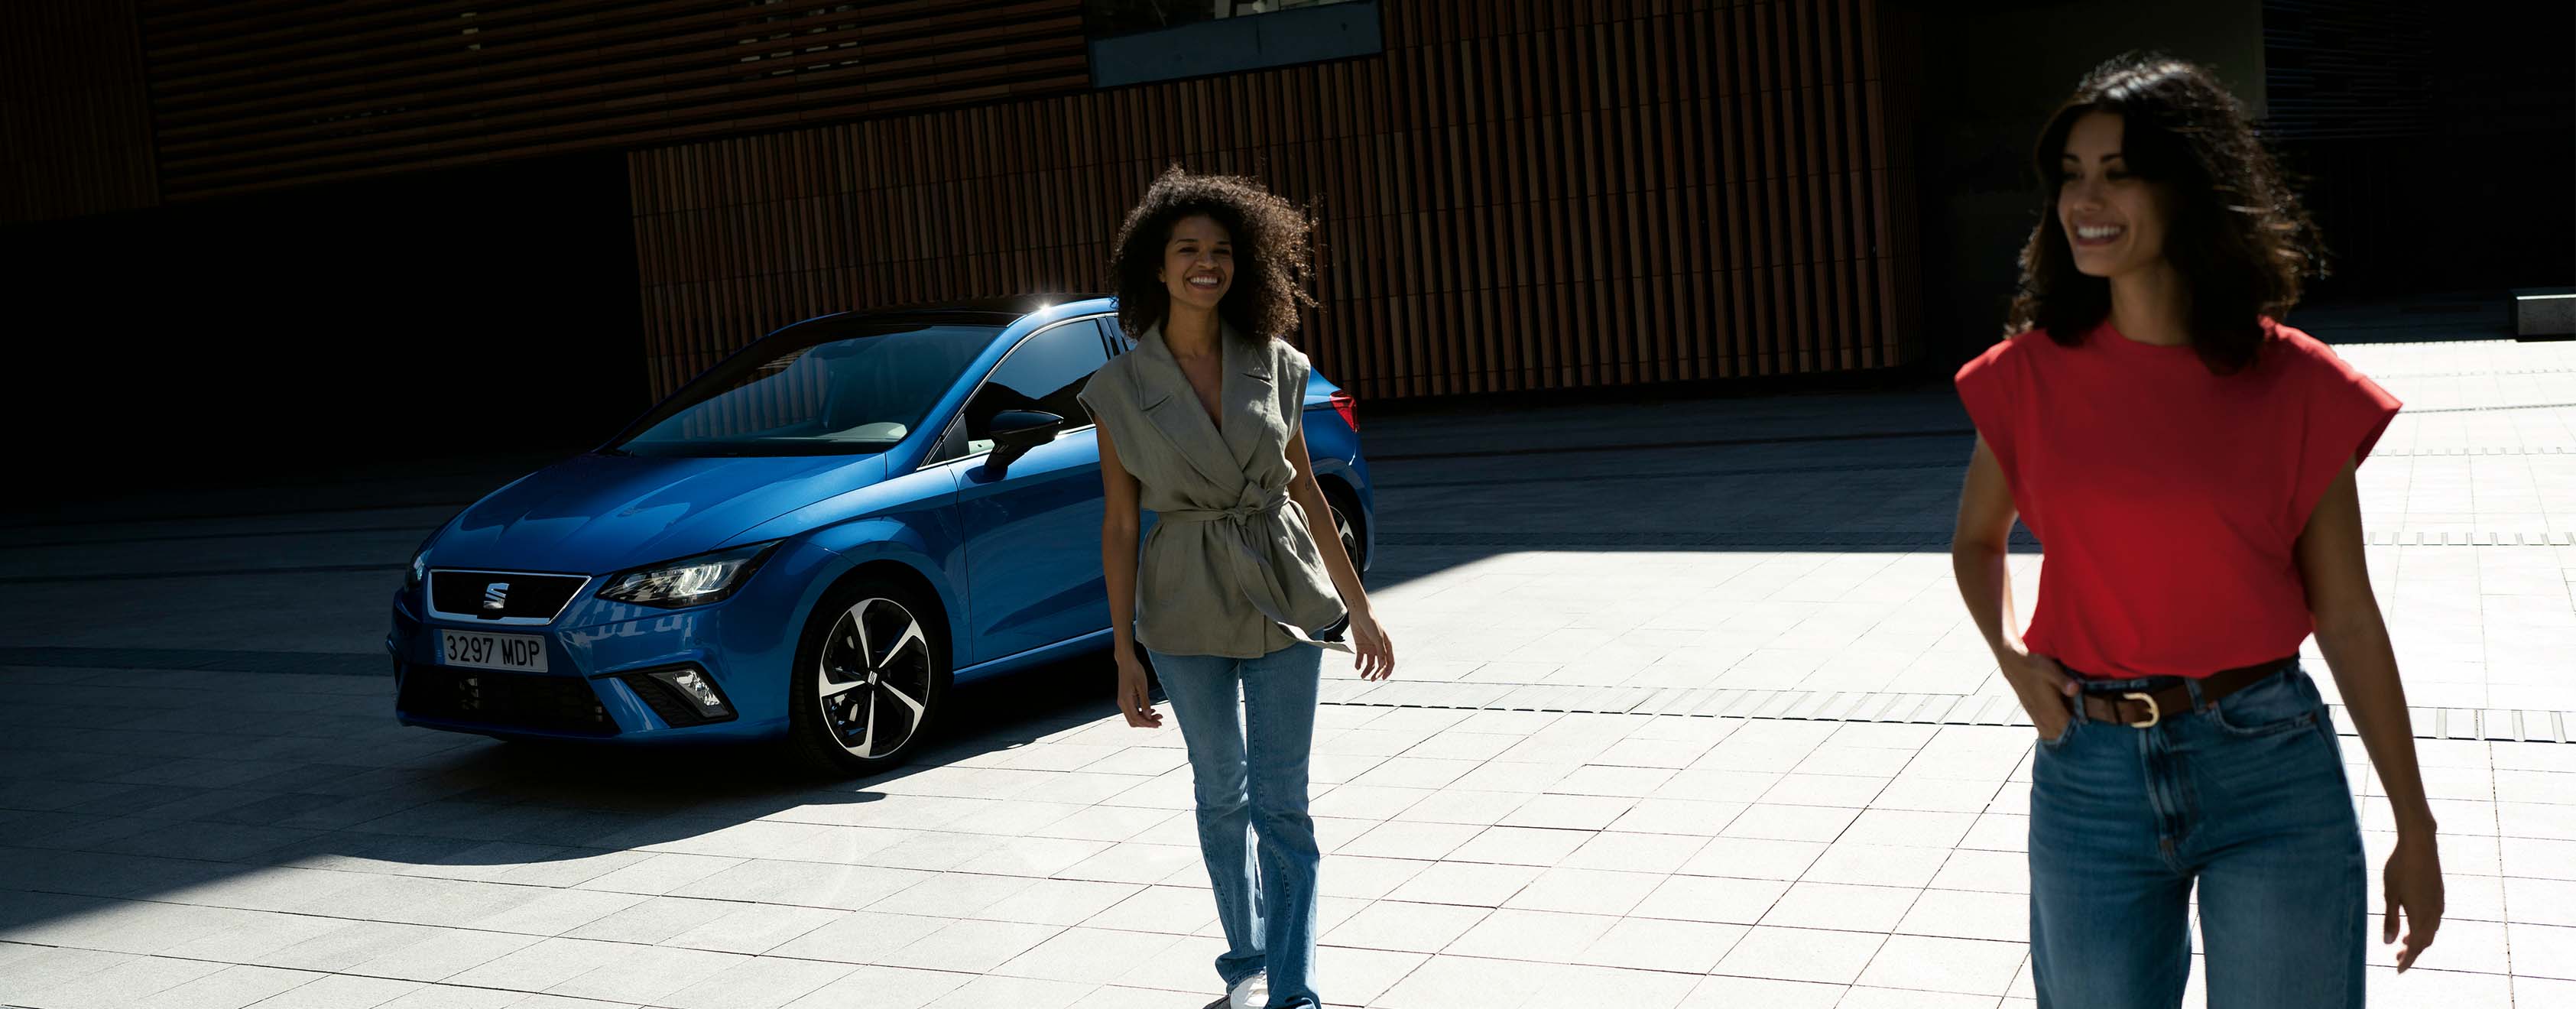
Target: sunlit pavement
x=1688 y=715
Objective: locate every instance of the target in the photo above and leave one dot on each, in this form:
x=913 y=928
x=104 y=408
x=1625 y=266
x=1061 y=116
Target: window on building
x=1136 y=41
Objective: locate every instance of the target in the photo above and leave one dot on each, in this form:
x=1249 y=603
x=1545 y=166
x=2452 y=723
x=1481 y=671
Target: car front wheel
x=871 y=679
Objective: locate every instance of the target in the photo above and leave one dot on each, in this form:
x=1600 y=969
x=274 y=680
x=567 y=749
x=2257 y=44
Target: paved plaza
x=1687 y=714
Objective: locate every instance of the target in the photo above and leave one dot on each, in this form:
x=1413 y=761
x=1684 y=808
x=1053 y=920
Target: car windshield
x=822 y=389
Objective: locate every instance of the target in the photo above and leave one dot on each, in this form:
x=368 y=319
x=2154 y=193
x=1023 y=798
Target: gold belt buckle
x=2155 y=712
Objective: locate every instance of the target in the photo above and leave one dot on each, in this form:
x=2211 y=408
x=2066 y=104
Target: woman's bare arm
x=2354 y=638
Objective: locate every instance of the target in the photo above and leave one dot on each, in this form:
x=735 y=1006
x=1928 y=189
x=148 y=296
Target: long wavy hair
x=1273 y=253
x=2234 y=230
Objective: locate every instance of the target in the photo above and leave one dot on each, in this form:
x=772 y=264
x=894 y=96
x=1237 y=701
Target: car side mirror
x=1015 y=432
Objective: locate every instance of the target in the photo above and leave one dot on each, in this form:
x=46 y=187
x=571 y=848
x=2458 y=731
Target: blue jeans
x=2249 y=799
x=1253 y=785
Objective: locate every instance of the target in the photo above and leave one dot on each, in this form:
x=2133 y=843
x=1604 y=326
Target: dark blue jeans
x=1248 y=761
x=2247 y=798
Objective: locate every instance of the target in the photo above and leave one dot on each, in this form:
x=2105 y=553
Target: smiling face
x=2114 y=220
x=1198 y=262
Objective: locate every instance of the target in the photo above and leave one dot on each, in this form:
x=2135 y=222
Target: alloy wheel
x=1350 y=534
x=874 y=678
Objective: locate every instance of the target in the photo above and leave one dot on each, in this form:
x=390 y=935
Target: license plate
x=520 y=653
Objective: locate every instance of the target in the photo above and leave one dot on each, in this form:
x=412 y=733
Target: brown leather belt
x=2140 y=709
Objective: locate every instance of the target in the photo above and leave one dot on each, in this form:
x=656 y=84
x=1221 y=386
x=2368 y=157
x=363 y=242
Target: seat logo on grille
x=496 y=595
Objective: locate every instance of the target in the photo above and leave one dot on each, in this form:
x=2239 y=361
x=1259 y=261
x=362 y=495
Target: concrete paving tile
x=1482 y=809
x=1841 y=906
x=1909 y=828
x=1754 y=858
x=1521 y=846
x=251 y=935
x=1090 y=955
x=1800 y=954
x=1850 y=861
x=769 y=881
x=556 y=912
x=453 y=997
x=1961 y=914
x=887 y=987
x=653 y=920
x=1764 y=821
x=2422 y=986
x=1570 y=812
x=1409 y=840
x=1585 y=891
x=647 y=975
x=756 y=928
x=1953 y=965
x=1459 y=982
x=30 y=969
x=1020 y=993
x=1177 y=910
x=1469 y=883
x=1865 y=997
x=542 y=965
x=1677 y=816
x=1688 y=947
x=340 y=991
x=1988 y=871
x=1404 y=926
x=1723 y=992
x=1635 y=852
x=1354 y=976
x=2537 y=991
x=439 y=954
x=1123 y=997
x=123 y=985
x=1366 y=878
x=1581 y=985
x=759 y=983
x=347 y=945
x=2538 y=951
x=1068 y=901
x=1134 y=863
x=974 y=947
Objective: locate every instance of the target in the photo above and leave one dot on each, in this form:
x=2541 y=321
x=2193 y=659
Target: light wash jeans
x=2249 y=799
x=1252 y=784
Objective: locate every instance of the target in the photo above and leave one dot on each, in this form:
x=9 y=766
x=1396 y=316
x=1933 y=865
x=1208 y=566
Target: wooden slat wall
x=1518 y=194
x=75 y=132
x=252 y=94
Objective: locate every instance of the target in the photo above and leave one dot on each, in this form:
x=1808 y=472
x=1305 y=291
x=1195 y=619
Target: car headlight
x=688 y=581
x=419 y=572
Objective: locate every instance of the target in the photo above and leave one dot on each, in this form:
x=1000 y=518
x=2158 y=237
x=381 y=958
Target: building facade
x=1511 y=194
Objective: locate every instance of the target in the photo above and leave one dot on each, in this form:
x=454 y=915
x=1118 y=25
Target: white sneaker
x=1250 y=993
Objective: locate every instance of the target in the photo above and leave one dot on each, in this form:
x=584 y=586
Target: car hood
x=599 y=513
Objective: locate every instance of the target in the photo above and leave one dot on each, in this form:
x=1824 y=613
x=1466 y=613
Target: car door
x=1032 y=530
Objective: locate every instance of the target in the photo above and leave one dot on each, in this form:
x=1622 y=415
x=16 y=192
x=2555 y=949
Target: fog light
x=694 y=686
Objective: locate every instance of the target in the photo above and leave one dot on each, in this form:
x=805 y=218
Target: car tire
x=871 y=679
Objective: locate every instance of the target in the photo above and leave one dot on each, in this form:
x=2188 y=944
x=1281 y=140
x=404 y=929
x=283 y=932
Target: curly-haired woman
x=1234 y=595
x=2188 y=462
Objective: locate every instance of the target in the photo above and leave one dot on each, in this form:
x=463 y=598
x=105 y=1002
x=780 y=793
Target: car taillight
x=1348 y=406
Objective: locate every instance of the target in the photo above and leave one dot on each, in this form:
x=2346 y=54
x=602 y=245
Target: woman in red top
x=2187 y=461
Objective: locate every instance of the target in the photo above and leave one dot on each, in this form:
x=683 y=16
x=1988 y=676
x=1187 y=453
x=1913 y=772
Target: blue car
x=813 y=542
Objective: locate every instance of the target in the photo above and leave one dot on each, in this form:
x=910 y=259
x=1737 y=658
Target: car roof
x=1005 y=309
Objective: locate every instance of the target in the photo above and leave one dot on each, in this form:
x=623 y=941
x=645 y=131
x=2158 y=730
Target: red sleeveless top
x=2169 y=500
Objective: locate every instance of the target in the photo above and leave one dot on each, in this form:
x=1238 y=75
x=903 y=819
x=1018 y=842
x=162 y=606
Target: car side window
x=1043 y=373
x=1119 y=341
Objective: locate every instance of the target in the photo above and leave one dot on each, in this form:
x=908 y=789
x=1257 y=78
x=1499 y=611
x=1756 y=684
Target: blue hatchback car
x=812 y=542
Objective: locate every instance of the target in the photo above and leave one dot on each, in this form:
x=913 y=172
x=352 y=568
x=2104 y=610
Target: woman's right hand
x=2043 y=687
x=1135 y=699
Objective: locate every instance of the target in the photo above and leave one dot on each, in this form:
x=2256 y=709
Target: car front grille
x=509 y=597
x=504 y=700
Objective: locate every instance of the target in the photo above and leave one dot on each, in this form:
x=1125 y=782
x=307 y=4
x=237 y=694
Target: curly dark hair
x=2235 y=232
x=1273 y=252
